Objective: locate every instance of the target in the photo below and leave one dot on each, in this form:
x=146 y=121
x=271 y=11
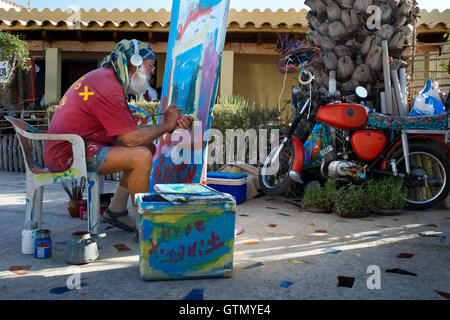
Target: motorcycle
x=363 y=144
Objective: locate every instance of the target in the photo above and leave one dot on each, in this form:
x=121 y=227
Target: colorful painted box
x=186 y=231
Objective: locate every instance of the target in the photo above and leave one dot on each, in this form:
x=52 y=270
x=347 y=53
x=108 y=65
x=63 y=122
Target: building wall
x=257 y=78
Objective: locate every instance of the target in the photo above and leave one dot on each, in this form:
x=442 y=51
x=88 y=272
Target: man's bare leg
x=136 y=164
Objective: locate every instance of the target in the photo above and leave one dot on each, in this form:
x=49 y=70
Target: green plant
x=320 y=197
x=350 y=201
x=385 y=194
x=13 y=50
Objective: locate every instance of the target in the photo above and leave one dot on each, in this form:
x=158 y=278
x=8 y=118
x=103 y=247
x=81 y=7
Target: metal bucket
x=81 y=248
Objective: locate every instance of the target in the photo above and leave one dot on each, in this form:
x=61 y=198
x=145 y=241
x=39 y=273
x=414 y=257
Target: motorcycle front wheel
x=274 y=179
x=426 y=164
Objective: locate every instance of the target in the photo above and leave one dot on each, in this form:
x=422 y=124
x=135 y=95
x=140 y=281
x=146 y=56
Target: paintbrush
x=164 y=113
x=66 y=188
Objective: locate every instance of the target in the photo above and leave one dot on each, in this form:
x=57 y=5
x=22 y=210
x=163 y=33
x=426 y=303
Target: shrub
x=350 y=201
x=320 y=197
x=385 y=194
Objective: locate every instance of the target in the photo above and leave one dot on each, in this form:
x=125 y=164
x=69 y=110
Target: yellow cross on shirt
x=86 y=93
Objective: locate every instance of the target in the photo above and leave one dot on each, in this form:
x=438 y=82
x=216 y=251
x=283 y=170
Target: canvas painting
x=196 y=40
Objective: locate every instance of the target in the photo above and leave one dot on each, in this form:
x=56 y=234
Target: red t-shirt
x=95 y=108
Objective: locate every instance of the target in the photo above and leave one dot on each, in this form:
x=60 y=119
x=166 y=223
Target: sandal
x=113 y=219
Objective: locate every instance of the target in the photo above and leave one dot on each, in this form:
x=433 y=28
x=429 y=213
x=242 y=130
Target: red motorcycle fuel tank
x=368 y=144
x=343 y=115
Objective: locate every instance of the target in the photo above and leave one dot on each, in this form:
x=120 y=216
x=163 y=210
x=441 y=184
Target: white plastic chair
x=37 y=178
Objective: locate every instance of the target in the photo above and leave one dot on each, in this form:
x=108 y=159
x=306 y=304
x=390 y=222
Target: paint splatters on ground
x=320 y=231
x=19 y=270
x=269 y=199
x=244 y=215
x=405 y=255
x=331 y=250
x=121 y=247
x=312 y=225
x=195 y=294
x=372 y=235
x=301 y=261
x=346 y=282
x=251 y=242
x=272 y=225
x=401 y=271
x=272 y=208
x=255 y=265
x=284 y=214
x=286 y=284
x=446 y=295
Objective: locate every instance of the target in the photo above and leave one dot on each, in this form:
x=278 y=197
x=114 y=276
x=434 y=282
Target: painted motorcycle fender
x=299 y=158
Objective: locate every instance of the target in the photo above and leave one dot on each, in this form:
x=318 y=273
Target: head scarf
x=122 y=51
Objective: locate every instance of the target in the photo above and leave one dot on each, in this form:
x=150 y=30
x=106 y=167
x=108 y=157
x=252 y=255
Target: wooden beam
x=46 y=36
x=158 y=47
x=80 y=36
x=88 y=46
x=151 y=38
x=251 y=48
x=259 y=38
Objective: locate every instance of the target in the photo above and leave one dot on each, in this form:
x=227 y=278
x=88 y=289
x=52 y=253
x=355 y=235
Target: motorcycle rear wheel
x=424 y=160
x=278 y=182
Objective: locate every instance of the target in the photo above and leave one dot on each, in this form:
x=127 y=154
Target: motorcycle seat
x=385 y=121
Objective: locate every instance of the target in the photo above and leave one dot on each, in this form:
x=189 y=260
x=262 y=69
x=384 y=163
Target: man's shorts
x=95 y=156
x=96 y=152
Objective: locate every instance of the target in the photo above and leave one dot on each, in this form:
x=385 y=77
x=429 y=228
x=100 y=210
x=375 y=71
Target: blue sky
x=166 y=4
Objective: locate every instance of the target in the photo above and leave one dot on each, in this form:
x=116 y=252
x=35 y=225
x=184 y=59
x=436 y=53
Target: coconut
x=386 y=12
x=362 y=74
x=345 y=67
x=349 y=86
x=385 y=32
x=342 y=51
x=369 y=43
x=362 y=5
x=397 y=41
x=333 y=12
x=323 y=29
x=326 y=43
x=313 y=21
x=316 y=38
x=405 y=8
x=336 y=30
x=330 y=61
x=374 y=58
x=347 y=4
x=345 y=18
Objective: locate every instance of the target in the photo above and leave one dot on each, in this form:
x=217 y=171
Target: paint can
x=29 y=237
x=43 y=244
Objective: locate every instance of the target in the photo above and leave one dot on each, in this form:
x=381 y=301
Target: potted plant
x=350 y=201
x=385 y=196
x=317 y=198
